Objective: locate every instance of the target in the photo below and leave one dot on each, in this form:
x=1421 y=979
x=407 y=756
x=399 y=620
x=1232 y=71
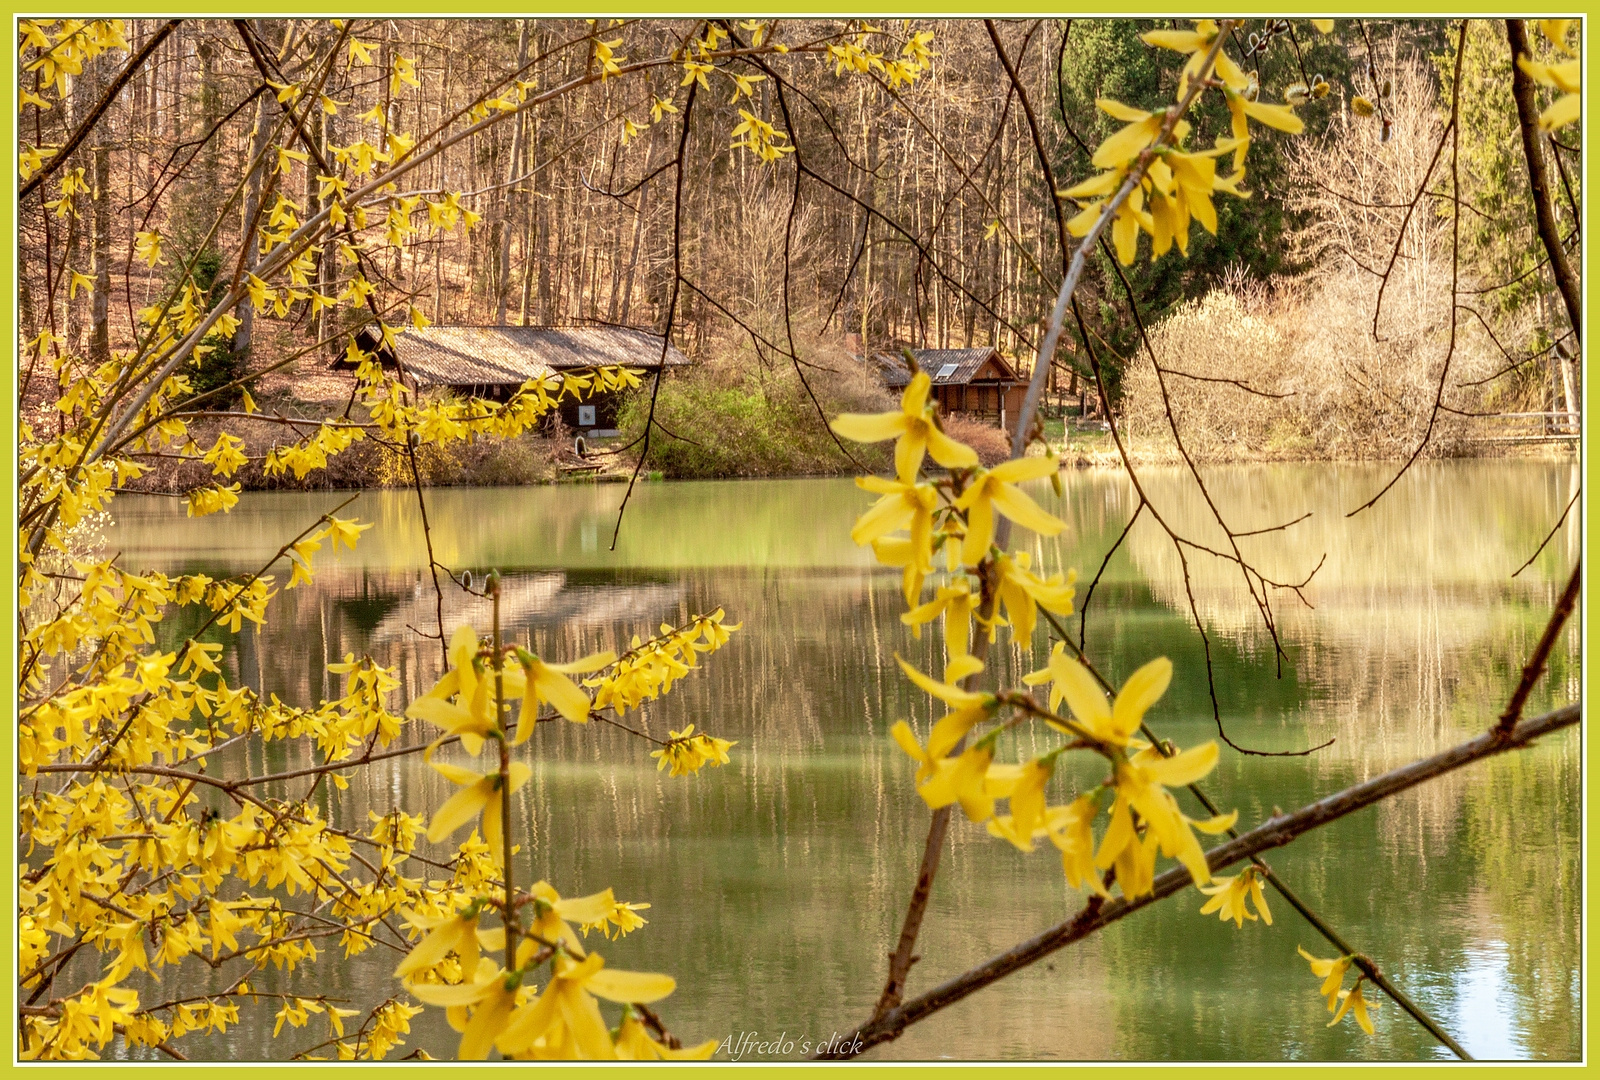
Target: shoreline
x=1072 y=459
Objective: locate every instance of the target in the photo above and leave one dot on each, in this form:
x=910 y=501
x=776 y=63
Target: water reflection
x=777 y=881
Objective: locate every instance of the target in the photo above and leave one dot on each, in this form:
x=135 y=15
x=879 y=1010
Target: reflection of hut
x=493 y=361
x=979 y=383
x=534 y=599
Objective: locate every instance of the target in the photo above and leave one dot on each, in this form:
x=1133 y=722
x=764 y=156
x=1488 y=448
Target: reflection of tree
x=566 y=527
x=1400 y=650
x=1461 y=522
x=1533 y=904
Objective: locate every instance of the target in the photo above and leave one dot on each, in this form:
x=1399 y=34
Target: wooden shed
x=493 y=361
x=977 y=383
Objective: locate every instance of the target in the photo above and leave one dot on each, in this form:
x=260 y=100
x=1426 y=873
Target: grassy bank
x=712 y=423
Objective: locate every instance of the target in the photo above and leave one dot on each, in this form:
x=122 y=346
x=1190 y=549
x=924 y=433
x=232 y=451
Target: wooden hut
x=493 y=361
x=977 y=383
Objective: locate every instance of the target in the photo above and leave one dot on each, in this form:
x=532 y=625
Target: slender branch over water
x=1275 y=832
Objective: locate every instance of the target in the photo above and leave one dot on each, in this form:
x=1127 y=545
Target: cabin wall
x=989 y=402
x=981 y=398
x=606 y=405
x=501 y=392
x=1013 y=402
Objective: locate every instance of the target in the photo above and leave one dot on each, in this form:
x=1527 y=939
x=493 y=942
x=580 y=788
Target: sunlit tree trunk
x=509 y=199
x=265 y=108
x=100 y=312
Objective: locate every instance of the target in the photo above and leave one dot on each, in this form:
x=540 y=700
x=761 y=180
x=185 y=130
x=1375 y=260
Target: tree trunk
x=1522 y=90
x=438 y=249
x=252 y=202
x=326 y=259
x=85 y=91
x=513 y=170
x=25 y=310
x=1566 y=362
x=638 y=237
x=869 y=155
x=100 y=251
x=528 y=260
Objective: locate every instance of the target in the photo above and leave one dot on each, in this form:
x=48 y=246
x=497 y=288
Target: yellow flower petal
x=1124 y=145
x=1180 y=769
x=1082 y=693
x=1215 y=826
x=1102 y=184
x=448 y=996
x=528 y=1023
x=951 y=695
x=951 y=727
x=459 y=809
x=592 y=662
x=445 y=714
x=1184 y=41
x=487 y=1022
x=1084 y=220
x=1275 y=116
x=586 y=909
x=455 y=935
x=563 y=693
x=582 y=1014
x=1017 y=505
x=1566 y=110
x=1142 y=690
x=869 y=427
x=456 y=774
x=1027 y=468
x=1117 y=110
x=629 y=986
x=950 y=453
x=915 y=398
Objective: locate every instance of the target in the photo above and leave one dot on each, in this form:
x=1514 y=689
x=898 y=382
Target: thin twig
x=1541 y=653
x=1552 y=534
x=1083 y=608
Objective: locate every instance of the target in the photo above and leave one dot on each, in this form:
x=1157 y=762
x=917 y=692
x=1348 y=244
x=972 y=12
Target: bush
x=215 y=363
x=1336 y=390
x=710 y=425
x=217 y=366
x=992 y=444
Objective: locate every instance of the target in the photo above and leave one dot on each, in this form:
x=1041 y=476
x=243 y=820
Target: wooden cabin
x=977 y=383
x=493 y=361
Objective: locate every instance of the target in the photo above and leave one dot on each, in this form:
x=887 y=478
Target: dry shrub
x=992 y=444
x=1345 y=394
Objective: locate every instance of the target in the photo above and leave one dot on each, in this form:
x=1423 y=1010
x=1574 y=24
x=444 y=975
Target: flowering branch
x=1275 y=832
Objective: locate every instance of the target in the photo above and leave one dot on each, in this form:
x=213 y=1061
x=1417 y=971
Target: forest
x=1274 y=304
x=891 y=210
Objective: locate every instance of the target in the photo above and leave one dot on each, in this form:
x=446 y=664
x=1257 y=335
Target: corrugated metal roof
x=945 y=367
x=500 y=355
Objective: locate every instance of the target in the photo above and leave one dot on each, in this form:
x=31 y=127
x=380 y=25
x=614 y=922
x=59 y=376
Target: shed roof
x=945 y=367
x=500 y=355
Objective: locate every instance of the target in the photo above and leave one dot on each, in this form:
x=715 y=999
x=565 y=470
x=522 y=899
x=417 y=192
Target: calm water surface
x=778 y=882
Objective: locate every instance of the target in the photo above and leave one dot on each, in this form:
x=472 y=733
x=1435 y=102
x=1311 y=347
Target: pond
x=778 y=882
